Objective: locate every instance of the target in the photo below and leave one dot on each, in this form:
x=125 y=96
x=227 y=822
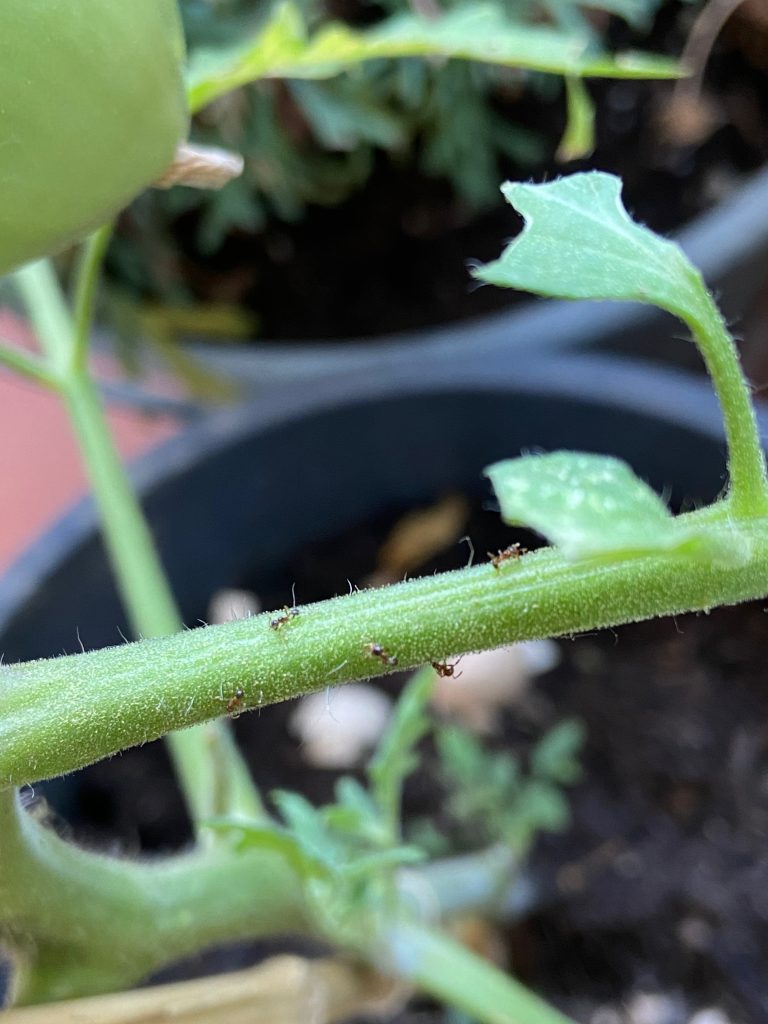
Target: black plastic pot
x=236 y=494
x=729 y=244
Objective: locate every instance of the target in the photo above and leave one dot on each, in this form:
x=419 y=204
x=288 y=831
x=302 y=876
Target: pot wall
x=236 y=494
x=729 y=244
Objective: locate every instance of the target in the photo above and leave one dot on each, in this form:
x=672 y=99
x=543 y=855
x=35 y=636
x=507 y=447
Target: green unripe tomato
x=92 y=107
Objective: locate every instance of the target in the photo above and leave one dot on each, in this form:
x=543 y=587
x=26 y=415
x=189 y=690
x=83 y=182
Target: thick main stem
x=59 y=715
x=101 y=924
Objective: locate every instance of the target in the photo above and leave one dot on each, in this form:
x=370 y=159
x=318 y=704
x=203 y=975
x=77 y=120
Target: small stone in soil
x=492 y=680
x=656 y=1008
x=710 y=1016
x=339 y=727
x=230 y=604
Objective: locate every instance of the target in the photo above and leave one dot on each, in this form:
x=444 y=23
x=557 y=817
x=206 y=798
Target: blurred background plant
x=439 y=132
x=310 y=142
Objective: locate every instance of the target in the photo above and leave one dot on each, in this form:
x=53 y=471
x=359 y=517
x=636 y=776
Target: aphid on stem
x=377 y=651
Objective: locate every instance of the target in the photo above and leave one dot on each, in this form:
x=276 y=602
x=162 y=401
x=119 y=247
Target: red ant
x=446 y=668
x=377 y=651
x=513 y=552
x=286 y=616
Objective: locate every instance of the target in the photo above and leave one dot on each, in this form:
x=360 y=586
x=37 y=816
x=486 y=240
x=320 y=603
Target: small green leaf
x=556 y=756
x=592 y=506
x=284 y=48
x=307 y=828
x=580 y=243
x=246 y=835
x=541 y=807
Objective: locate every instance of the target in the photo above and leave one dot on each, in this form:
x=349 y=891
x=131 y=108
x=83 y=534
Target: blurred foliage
x=492 y=797
x=314 y=142
x=348 y=854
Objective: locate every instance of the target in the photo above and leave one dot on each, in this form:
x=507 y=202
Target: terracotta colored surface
x=40 y=468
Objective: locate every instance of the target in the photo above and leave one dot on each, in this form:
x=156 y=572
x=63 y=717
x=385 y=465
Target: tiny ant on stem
x=446 y=668
x=512 y=553
x=287 y=613
x=377 y=651
x=235 y=702
x=286 y=616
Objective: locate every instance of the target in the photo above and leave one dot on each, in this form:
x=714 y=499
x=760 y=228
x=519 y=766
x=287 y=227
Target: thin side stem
x=209 y=768
x=441 y=966
x=87 y=280
x=746 y=459
x=48 y=311
x=26 y=365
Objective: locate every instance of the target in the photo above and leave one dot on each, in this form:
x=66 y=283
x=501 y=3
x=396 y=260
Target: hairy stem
x=746 y=460
x=99 y=923
x=59 y=715
x=102 y=923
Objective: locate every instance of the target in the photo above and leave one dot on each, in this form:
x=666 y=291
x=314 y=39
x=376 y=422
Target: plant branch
x=746 y=460
x=26 y=365
x=46 y=306
x=87 y=280
x=100 y=923
x=444 y=968
x=62 y=714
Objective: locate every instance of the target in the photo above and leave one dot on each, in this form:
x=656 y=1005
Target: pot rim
x=678 y=398
x=717 y=241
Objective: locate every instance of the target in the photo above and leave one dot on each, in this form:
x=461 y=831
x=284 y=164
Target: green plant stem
x=26 y=365
x=207 y=763
x=59 y=715
x=99 y=923
x=211 y=773
x=91 y=260
x=441 y=966
x=48 y=312
x=746 y=460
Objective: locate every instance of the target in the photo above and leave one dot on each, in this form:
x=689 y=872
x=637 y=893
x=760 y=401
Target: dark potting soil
x=658 y=890
x=395 y=256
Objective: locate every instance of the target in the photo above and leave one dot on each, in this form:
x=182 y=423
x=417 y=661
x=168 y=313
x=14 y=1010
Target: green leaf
x=284 y=48
x=246 y=835
x=594 y=506
x=580 y=243
x=555 y=756
x=356 y=814
x=541 y=807
x=307 y=828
